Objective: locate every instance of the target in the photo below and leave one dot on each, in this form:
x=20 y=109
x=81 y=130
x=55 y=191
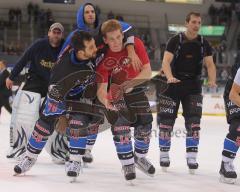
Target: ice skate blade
x=141 y=169
x=165 y=169
x=192 y=171
x=58 y=162
x=18 y=174
x=130 y=182
x=223 y=179
x=73 y=179
x=85 y=165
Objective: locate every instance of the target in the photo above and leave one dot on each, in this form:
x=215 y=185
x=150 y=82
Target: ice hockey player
x=128 y=105
x=88 y=20
x=232 y=139
x=80 y=58
x=182 y=64
x=41 y=56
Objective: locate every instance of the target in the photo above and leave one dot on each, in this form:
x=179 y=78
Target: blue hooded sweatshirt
x=94 y=32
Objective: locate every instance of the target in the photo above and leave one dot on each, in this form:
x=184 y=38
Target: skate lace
x=143 y=162
x=128 y=169
x=74 y=166
x=164 y=159
x=26 y=163
x=20 y=158
x=191 y=161
x=229 y=167
x=88 y=153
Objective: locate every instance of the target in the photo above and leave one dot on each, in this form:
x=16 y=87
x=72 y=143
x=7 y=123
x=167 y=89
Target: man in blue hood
x=88 y=20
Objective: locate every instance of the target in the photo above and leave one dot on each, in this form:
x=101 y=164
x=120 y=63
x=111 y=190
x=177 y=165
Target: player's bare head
x=3 y=64
x=89 y=14
x=192 y=14
x=84 y=45
x=193 y=21
x=112 y=34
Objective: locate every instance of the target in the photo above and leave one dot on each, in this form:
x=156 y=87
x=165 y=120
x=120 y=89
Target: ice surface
x=104 y=174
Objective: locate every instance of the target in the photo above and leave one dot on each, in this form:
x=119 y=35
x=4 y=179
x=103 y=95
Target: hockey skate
x=144 y=165
x=87 y=157
x=227 y=172
x=164 y=161
x=129 y=172
x=192 y=165
x=73 y=169
x=24 y=165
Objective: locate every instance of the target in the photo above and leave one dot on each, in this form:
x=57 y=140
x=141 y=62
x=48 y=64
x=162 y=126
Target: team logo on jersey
x=47 y=64
x=29 y=98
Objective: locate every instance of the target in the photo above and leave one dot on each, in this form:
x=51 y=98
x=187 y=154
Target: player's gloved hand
x=54 y=92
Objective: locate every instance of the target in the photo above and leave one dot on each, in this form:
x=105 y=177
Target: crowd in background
x=41 y=19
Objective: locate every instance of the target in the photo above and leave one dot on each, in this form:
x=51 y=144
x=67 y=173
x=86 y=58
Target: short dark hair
x=188 y=17
x=78 y=38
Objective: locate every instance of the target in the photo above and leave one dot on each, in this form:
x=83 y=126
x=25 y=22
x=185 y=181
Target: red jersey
x=117 y=65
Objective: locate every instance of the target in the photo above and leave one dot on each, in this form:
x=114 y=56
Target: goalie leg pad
x=24 y=116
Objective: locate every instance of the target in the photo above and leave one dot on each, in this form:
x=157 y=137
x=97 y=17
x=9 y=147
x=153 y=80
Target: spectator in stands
x=2 y=49
x=42 y=23
x=18 y=48
x=110 y=15
x=18 y=14
x=157 y=55
x=10 y=16
x=30 y=11
x=162 y=48
x=36 y=13
x=49 y=17
x=237 y=10
x=119 y=18
x=10 y=49
x=224 y=75
x=212 y=12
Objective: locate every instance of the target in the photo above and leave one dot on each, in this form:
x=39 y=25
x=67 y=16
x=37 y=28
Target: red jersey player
x=119 y=90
